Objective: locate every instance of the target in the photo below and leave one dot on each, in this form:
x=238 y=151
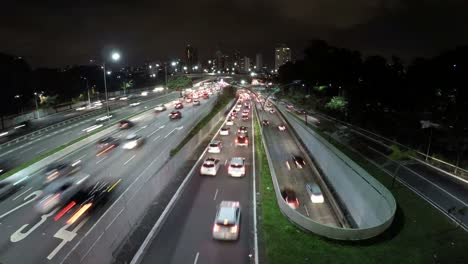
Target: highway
x=26 y=237
x=281 y=146
x=186 y=235
x=15 y=154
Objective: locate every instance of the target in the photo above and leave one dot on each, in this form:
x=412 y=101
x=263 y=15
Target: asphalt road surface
x=186 y=236
x=18 y=153
x=281 y=147
x=27 y=237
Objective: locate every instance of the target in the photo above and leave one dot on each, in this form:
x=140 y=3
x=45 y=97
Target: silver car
x=237 y=167
x=210 y=167
x=227 y=221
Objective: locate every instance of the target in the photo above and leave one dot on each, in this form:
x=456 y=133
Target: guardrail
x=376 y=193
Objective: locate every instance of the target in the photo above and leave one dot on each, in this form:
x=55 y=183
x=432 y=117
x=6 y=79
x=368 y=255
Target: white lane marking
x=115 y=218
x=24 y=150
x=92 y=246
x=35 y=195
x=169 y=133
x=125 y=163
x=156 y=138
x=42 y=150
x=18 y=235
x=216 y=194
x=196 y=258
x=307 y=211
x=254 y=200
x=66 y=237
x=159 y=128
x=22 y=193
x=99 y=161
x=225 y=162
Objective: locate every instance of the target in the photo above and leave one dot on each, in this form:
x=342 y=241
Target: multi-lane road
x=186 y=236
x=28 y=237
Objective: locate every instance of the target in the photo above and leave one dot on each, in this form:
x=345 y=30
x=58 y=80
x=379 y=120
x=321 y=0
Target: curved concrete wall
x=371 y=205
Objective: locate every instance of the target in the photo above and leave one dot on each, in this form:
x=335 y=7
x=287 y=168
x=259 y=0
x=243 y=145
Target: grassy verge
x=223 y=100
x=419 y=234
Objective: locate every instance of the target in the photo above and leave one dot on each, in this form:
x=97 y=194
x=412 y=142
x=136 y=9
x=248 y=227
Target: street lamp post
x=37 y=108
x=115 y=57
x=87 y=89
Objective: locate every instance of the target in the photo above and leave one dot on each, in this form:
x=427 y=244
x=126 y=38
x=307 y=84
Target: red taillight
x=236 y=140
x=64 y=210
x=216 y=228
x=246 y=141
x=234 y=229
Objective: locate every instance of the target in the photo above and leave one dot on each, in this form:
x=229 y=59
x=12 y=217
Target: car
x=206 y=96
x=134 y=104
x=210 y=167
x=175 y=115
x=58 y=170
x=272 y=111
x=226 y=225
x=245 y=114
x=188 y=100
x=237 y=167
x=242 y=130
x=242 y=141
x=59 y=192
x=215 y=146
x=179 y=106
x=281 y=127
x=125 y=124
x=103 y=118
x=160 y=108
x=314 y=192
x=245 y=118
x=290 y=198
x=229 y=122
x=224 y=131
x=8 y=187
x=106 y=144
x=91 y=196
x=298 y=161
x=196 y=102
x=246 y=111
x=133 y=141
x=265 y=122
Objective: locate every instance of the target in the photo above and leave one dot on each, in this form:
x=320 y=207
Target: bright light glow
x=185 y=68
x=158 y=89
x=196 y=67
x=209 y=62
x=79 y=213
x=64 y=210
x=3 y=134
x=145 y=93
x=20 y=126
x=130 y=145
x=174 y=63
x=116 y=56
x=150 y=66
x=109 y=72
x=76 y=163
x=253 y=74
x=242 y=81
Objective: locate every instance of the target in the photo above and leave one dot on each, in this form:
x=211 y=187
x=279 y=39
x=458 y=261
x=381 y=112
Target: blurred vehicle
x=272 y=111
x=290 y=198
x=245 y=118
x=237 y=167
x=144 y=93
x=89 y=197
x=242 y=131
x=265 y=122
x=59 y=192
x=229 y=122
x=8 y=187
x=123 y=98
x=106 y=144
x=314 y=192
x=179 y=106
x=175 y=115
x=196 y=102
x=125 y=124
x=160 y=108
x=224 y=131
x=298 y=161
x=103 y=118
x=281 y=127
x=133 y=141
x=206 y=96
x=135 y=104
x=246 y=111
x=58 y=170
x=210 y=167
x=188 y=100
x=227 y=221
x=242 y=141
x=215 y=146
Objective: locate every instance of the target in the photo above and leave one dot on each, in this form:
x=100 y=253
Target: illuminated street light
x=196 y=67
x=174 y=63
x=109 y=72
x=115 y=56
x=185 y=68
x=150 y=66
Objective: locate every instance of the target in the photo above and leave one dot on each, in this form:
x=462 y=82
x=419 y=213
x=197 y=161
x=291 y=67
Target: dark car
x=242 y=130
x=290 y=198
x=106 y=144
x=175 y=115
x=265 y=122
x=242 y=141
x=298 y=161
x=125 y=124
x=8 y=188
x=57 y=170
x=179 y=106
x=196 y=102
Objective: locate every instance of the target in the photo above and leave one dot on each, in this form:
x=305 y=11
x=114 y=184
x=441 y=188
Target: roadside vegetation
x=419 y=233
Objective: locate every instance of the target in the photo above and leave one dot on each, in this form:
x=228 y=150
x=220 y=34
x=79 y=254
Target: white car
x=135 y=104
x=229 y=122
x=314 y=192
x=123 y=98
x=282 y=127
x=145 y=93
x=224 y=131
x=272 y=111
x=210 y=167
x=215 y=147
x=226 y=225
x=237 y=167
x=104 y=118
x=133 y=141
x=160 y=108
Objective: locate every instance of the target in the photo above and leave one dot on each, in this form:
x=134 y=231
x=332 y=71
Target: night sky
x=72 y=32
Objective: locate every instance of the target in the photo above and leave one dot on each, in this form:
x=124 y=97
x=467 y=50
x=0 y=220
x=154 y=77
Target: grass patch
x=419 y=233
x=224 y=98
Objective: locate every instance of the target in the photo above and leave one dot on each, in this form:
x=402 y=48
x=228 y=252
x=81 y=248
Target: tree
x=126 y=85
x=179 y=82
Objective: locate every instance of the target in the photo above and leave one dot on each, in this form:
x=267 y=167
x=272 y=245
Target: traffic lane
x=188 y=230
x=282 y=146
x=50 y=227
x=42 y=144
